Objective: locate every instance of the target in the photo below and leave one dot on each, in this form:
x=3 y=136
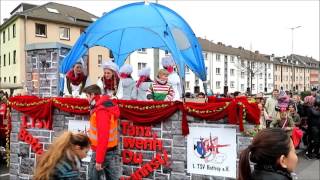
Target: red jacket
x=103 y=108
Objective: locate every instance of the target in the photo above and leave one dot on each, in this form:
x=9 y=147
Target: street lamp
x=292 y=70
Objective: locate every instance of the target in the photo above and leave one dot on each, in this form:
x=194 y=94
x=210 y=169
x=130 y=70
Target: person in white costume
x=141 y=87
x=173 y=78
x=75 y=81
x=126 y=83
x=110 y=80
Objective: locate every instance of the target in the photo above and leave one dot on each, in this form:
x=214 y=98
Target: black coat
x=313 y=116
x=269 y=173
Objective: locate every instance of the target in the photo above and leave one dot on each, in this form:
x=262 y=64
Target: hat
x=110 y=65
x=167 y=61
x=126 y=69
x=144 y=72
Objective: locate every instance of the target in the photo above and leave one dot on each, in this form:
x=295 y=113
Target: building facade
x=34 y=41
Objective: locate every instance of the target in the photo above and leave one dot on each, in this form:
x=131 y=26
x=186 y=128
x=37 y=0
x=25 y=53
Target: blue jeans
x=111 y=167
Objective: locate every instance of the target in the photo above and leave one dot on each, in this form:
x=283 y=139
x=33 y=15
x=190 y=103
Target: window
x=276 y=67
x=252 y=65
x=286 y=86
x=34 y=62
x=218 y=57
x=242 y=63
x=141 y=65
x=0 y=79
x=99 y=60
x=218 y=71
x=269 y=66
x=41 y=30
x=166 y=52
x=226 y=58
x=142 y=50
x=9 y=79
x=242 y=75
x=205 y=55
x=9 y=59
x=269 y=75
x=0 y=61
x=275 y=77
x=297 y=78
x=64 y=33
x=253 y=86
x=260 y=75
x=287 y=69
x=187 y=85
x=232 y=59
x=8 y=33
x=242 y=87
x=231 y=72
x=300 y=78
x=14 y=79
x=14 y=30
x=218 y=84
x=5 y=79
x=287 y=78
x=4 y=37
x=231 y=84
x=4 y=60
x=260 y=87
x=14 y=56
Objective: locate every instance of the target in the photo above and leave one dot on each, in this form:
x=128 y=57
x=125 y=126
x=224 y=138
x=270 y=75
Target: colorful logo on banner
x=208 y=149
x=212 y=151
x=144 y=139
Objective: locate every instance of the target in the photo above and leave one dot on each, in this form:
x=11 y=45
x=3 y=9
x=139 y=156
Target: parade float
x=158 y=140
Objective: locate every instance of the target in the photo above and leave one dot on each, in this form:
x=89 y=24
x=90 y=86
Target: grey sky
x=256 y=25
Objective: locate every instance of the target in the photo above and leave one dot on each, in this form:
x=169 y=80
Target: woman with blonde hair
x=63 y=158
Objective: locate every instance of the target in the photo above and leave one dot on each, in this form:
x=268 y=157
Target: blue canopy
x=140 y=25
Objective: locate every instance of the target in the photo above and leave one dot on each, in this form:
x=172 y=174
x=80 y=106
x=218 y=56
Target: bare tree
x=252 y=69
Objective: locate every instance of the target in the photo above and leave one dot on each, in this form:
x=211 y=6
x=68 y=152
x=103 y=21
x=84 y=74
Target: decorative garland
x=148 y=112
x=8 y=131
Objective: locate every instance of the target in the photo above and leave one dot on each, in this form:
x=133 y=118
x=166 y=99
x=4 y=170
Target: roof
x=25 y=6
x=240 y=52
x=306 y=61
x=57 y=13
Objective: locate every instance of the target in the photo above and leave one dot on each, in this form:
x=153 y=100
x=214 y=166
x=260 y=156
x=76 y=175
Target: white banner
x=212 y=151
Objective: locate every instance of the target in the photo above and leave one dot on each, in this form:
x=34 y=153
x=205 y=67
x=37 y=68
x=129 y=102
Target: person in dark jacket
x=313 y=121
x=273 y=153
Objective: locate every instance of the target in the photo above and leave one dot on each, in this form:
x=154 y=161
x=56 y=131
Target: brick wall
x=169 y=131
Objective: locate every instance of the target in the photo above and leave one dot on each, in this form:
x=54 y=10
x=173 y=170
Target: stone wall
x=42 y=71
x=169 y=131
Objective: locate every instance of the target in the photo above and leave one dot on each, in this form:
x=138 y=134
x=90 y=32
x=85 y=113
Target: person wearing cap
x=126 y=83
x=160 y=89
x=142 y=85
x=110 y=80
x=173 y=78
x=75 y=81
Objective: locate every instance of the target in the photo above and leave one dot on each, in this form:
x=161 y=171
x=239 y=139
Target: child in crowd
x=142 y=85
x=126 y=83
x=160 y=89
x=63 y=158
x=110 y=80
x=294 y=115
x=75 y=81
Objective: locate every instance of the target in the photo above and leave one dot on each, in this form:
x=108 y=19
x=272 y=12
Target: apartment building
x=34 y=41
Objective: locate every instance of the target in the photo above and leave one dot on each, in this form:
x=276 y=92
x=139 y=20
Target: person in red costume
x=103 y=134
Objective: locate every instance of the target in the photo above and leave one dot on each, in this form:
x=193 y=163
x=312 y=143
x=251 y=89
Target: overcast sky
x=257 y=25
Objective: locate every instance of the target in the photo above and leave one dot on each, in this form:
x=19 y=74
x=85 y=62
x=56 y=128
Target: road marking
x=2 y=175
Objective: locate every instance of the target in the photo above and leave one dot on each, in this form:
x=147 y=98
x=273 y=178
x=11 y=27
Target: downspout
x=25 y=54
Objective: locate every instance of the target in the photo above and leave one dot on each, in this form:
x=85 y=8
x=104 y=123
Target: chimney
x=220 y=43
x=256 y=52
x=5 y=19
x=240 y=47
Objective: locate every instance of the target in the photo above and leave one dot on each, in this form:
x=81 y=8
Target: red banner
x=145 y=112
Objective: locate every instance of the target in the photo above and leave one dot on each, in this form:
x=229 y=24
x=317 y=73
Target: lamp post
x=292 y=69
